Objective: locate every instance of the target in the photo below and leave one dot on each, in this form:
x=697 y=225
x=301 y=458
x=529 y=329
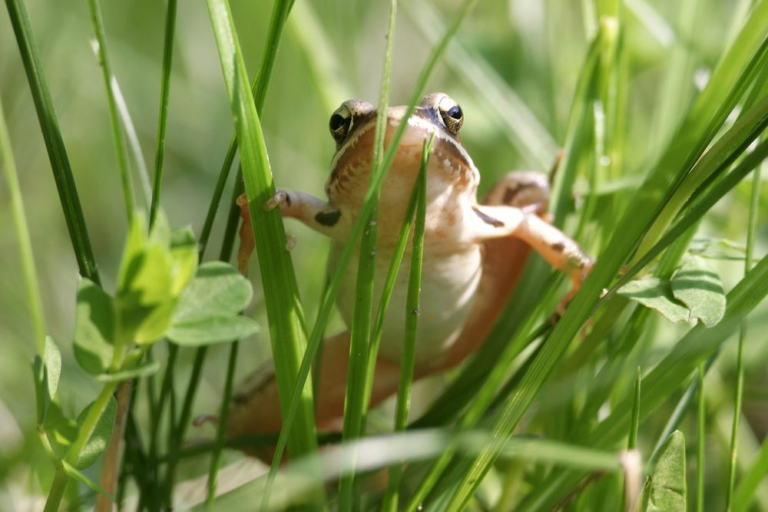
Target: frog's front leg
x=493 y=222
x=313 y=212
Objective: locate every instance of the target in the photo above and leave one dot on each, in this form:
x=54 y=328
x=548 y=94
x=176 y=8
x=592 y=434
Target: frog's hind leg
x=503 y=259
x=255 y=405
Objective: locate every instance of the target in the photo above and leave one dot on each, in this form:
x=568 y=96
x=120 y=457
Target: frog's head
x=353 y=127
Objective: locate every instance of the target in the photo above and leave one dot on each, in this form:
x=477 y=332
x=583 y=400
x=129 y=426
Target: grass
x=657 y=165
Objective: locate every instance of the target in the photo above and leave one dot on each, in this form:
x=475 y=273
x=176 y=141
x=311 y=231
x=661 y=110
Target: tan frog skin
x=473 y=252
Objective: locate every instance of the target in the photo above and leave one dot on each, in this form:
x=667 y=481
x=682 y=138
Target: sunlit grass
x=648 y=167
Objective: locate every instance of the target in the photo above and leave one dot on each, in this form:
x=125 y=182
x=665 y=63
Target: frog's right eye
x=340 y=123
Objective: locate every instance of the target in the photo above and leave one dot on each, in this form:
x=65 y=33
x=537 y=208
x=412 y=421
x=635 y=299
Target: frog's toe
x=280 y=198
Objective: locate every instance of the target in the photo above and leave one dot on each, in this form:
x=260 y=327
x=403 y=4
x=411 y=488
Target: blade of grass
x=730 y=78
x=640 y=213
x=696 y=211
x=377 y=178
x=23 y=241
x=581 y=117
x=408 y=358
x=524 y=130
x=223 y=416
x=671 y=372
x=754 y=205
x=701 y=417
x=360 y=331
x=54 y=142
x=328 y=73
x=133 y=140
x=286 y=319
x=117 y=135
x=178 y=430
x=627 y=499
x=388 y=288
x=382 y=451
x=280 y=12
x=162 y=116
x=258 y=90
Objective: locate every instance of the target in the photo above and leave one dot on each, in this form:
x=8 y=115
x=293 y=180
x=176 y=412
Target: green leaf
x=665 y=490
x=218 y=289
x=94 y=328
x=134 y=248
x=215 y=328
x=47 y=371
x=656 y=293
x=100 y=436
x=77 y=475
x=183 y=259
x=145 y=301
x=697 y=286
x=61 y=430
x=161 y=231
x=145 y=370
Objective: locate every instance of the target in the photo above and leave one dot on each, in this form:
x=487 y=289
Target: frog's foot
x=280 y=198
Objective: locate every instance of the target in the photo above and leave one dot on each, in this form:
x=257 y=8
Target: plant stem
x=222 y=427
x=162 y=121
x=35 y=304
x=56 y=493
x=700 y=444
x=408 y=359
x=739 y=391
x=54 y=142
x=179 y=430
x=117 y=135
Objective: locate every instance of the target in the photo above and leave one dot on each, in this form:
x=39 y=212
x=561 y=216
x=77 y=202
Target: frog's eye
x=340 y=123
x=451 y=113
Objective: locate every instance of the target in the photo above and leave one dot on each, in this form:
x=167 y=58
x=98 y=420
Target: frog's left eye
x=340 y=123
x=452 y=115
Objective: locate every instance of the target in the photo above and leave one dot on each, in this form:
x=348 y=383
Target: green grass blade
x=751 y=480
x=697 y=211
x=521 y=126
x=696 y=346
x=640 y=213
x=286 y=319
x=388 y=288
x=408 y=358
x=377 y=179
x=213 y=472
x=259 y=88
x=729 y=80
x=54 y=142
x=355 y=408
x=701 y=419
x=754 y=205
x=179 y=429
x=581 y=118
x=117 y=135
x=162 y=116
x=377 y=452
x=34 y=302
x=677 y=88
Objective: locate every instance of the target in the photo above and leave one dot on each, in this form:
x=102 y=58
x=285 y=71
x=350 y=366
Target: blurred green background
x=332 y=51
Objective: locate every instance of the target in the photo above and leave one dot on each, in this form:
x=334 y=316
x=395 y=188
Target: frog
x=473 y=256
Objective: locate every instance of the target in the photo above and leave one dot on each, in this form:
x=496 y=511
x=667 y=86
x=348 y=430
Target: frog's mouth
x=351 y=166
